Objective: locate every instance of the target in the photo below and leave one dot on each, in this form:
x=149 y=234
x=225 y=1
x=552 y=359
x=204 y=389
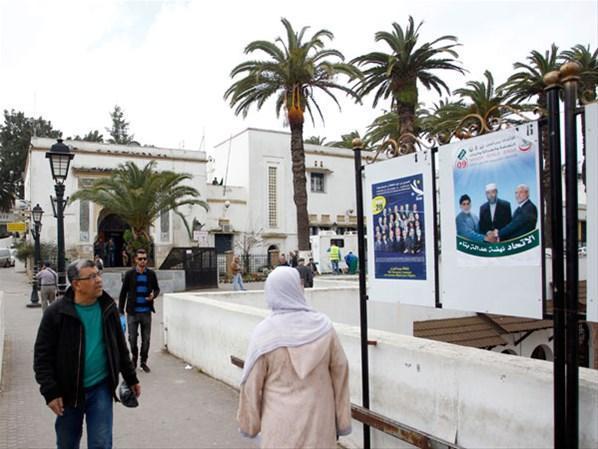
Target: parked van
x=6 y=259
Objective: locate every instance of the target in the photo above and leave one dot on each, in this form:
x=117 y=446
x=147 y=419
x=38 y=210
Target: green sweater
x=96 y=364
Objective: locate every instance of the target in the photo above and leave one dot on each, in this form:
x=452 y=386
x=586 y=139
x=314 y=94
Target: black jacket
x=502 y=216
x=59 y=354
x=524 y=220
x=128 y=291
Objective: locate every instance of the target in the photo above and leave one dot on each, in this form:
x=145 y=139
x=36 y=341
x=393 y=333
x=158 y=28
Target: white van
x=6 y=259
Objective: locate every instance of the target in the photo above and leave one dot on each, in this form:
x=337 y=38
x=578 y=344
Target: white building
x=85 y=221
x=256 y=195
x=258 y=163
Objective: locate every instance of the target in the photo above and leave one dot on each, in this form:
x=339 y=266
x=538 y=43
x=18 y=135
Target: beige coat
x=298 y=397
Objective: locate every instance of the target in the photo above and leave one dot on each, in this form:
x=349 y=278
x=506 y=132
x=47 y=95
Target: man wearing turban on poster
x=495 y=213
x=467 y=223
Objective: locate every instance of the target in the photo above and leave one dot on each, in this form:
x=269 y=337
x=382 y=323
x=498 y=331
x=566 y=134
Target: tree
x=315 y=140
x=15 y=139
x=91 y=136
x=295 y=68
x=527 y=83
x=346 y=140
x=588 y=61
x=441 y=120
x=119 y=131
x=396 y=74
x=248 y=242
x=140 y=195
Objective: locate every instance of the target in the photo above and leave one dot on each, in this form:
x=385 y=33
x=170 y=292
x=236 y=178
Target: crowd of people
x=81 y=353
x=400 y=230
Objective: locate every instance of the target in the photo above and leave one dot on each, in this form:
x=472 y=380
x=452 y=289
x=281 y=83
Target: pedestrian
x=282 y=260
x=313 y=266
x=306 y=274
x=80 y=351
x=294 y=258
x=111 y=250
x=335 y=257
x=99 y=262
x=295 y=372
x=237 y=271
x=137 y=297
x=352 y=262
x=125 y=257
x=47 y=280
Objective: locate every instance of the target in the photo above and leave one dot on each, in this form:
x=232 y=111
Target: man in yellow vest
x=335 y=257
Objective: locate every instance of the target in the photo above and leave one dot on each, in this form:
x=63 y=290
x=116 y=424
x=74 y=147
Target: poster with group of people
x=399 y=212
x=490 y=223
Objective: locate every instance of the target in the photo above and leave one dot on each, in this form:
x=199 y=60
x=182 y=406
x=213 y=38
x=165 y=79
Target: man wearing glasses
x=139 y=289
x=80 y=351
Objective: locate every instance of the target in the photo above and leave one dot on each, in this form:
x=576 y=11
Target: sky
x=168 y=63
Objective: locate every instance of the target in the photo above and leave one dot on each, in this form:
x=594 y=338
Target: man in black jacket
x=495 y=213
x=79 y=353
x=525 y=218
x=139 y=290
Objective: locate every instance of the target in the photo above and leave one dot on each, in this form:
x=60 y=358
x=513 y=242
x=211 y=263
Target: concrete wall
x=474 y=398
x=170 y=281
x=2 y=333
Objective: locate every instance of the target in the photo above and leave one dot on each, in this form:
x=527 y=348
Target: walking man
x=139 y=290
x=80 y=351
x=237 y=271
x=306 y=274
x=47 y=279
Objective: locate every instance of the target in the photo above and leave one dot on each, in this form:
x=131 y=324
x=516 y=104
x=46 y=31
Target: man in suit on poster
x=494 y=213
x=525 y=217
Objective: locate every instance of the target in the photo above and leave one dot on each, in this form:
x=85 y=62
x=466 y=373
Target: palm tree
x=140 y=195
x=346 y=140
x=294 y=70
x=396 y=74
x=588 y=61
x=528 y=83
x=440 y=122
x=315 y=140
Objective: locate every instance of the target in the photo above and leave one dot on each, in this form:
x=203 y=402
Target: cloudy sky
x=167 y=63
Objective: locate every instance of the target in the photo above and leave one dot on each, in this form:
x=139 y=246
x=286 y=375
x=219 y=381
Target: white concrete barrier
x=2 y=333
x=472 y=397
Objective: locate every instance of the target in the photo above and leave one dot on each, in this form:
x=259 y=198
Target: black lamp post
x=60 y=158
x=36 y=217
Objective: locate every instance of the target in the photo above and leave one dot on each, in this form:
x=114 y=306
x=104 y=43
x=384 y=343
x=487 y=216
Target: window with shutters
x=272 y=198
x=84 y=212
x=317 y=182
x=165 y=226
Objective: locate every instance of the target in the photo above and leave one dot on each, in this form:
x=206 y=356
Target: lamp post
x=36 y=217
x=60 y=158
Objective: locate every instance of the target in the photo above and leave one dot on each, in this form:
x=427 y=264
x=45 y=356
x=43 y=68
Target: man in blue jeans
x=80 y=351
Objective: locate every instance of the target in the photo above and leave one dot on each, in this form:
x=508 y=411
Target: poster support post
x=436 y=228
x=558 y=280
x=363 y=310
x=569 y=76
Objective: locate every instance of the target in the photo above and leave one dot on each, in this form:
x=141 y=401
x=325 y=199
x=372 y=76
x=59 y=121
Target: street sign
x=16 y=227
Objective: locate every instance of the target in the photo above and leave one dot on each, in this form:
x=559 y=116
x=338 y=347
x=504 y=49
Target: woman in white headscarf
x=295 y=384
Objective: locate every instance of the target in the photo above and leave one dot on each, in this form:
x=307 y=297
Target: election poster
x=591 y=121
x=491 y=223
x=398 y=195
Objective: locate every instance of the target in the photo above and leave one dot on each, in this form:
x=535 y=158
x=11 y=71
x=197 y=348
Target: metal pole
x=558 y=277
x=59 y=188
x=34 y=298
x=363 y=309
x=569 y=76
x=433 y=152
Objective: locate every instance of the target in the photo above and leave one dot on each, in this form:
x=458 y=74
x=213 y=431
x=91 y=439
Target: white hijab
x=292 y=322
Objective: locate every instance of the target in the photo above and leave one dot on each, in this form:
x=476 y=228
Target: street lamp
x=60 y=158
x=36 y=216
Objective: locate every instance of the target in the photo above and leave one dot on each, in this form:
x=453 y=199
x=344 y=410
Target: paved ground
x=179 y=408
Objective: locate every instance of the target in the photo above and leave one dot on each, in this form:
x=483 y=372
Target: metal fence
x=252 y=264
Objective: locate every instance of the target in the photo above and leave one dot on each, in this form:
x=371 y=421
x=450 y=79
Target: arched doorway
x=542 y=352
x=110 y=239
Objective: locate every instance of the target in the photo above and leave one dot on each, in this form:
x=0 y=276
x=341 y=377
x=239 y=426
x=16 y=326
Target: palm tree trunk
x=406 y=98
x=300 y=185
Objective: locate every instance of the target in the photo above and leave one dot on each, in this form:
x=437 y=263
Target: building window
x=84 y=212
x=317 y=182
x=84 y=221
x=272 y=198
x=165 y=226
